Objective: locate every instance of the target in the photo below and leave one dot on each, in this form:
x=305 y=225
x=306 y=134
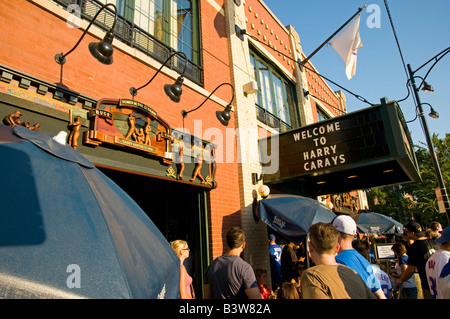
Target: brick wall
x=31 y=36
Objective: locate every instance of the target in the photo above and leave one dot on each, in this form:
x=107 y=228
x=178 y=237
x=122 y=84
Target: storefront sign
x=321 y=154
x=130 y=125
x=353 y=145
x=134 y=127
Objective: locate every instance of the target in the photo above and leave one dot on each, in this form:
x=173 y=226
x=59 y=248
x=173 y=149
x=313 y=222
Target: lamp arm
x=232 y=98
x=437 y=60
x=92 y=21
x=154 y=75
x=442 y=52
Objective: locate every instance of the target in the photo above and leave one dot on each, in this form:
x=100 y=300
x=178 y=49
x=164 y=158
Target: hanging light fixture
x=102 y=50
x=427 y=87
x=223 y=116
x=173 y=91
x=433 y=113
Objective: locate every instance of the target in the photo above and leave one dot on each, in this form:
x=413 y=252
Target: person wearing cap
x=329 y=279
x=418 y=254
x=275 y=261
x=349 y=257
x=436 y=263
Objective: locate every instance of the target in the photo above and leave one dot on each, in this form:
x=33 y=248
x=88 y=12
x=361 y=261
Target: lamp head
x=427 y=87
x=263 y=191
x=433 y=113
x=224 y=116
x=174 y=91
x=103 y=50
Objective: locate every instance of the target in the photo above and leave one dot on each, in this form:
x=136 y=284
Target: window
x=321 y=115
x=173 y=22
x=275 y=101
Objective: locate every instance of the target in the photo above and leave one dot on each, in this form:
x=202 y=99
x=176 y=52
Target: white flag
x=347 y=44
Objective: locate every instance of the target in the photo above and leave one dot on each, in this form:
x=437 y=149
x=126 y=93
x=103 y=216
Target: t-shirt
x=333 y=282
x=433 y=270
x=410 y=283
x=351 y=258
x=418 y=254
x=275 y=261
x=288 y=260
x=384 y=279
x=229 y=276
x=444 y=282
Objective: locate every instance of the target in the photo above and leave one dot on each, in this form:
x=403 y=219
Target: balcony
x=269 y=119
x=135 y=37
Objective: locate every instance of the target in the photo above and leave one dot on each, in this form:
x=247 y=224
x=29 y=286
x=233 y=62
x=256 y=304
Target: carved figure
x=148 y=130
x=35 y=127
x=12 y=119
x=198 y=167
x=131 y=126
x=74 y=128
x=213 y=167
x=180 y=164
x=140 y=136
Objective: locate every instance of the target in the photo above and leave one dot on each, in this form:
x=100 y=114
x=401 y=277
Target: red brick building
x=201 y=212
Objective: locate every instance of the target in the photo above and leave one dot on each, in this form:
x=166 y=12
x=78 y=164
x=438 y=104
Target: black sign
x=360 y=139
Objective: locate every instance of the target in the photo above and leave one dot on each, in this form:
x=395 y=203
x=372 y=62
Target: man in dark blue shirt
x=275 y=261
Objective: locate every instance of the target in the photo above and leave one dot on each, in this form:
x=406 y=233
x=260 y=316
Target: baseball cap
x=415 y=228
x=345 y=224
x=272 y=237
x=445 y=236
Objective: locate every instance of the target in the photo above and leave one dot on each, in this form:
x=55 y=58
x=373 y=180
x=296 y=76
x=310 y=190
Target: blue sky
x=423 y=30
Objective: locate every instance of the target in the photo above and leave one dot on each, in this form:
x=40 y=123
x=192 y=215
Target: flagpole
x=332 y=36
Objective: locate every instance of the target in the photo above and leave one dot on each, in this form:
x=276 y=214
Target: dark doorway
x=177 y=209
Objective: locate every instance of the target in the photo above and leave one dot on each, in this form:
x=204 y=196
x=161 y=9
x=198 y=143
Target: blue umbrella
x=292 y=215
x=375 y=223
x=68 y=231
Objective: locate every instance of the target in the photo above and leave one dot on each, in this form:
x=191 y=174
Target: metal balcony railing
x=132 y=35
x=271 y=120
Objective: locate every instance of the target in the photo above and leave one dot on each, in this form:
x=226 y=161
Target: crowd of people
x=340 y=266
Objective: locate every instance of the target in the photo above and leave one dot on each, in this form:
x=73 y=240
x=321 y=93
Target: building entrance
x=178 y=210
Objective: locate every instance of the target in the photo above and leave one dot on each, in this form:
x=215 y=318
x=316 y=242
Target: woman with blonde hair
x=181 y=248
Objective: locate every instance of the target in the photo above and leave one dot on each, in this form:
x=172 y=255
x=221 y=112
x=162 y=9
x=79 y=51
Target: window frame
x=128 y=10
x=321 y=114
x=290 y=111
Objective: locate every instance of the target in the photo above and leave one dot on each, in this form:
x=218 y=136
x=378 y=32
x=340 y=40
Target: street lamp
x=437 y=168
